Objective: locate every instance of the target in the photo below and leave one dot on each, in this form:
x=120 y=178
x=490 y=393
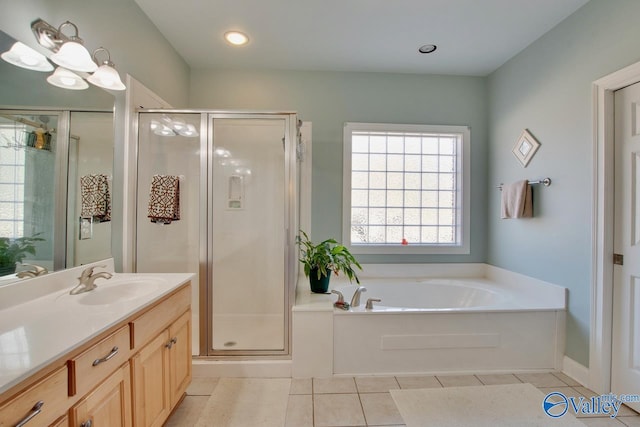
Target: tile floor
x=366 y=401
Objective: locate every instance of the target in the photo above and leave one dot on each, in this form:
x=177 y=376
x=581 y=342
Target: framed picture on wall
x=525 y=148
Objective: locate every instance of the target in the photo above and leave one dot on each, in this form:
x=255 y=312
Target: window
x=12 y=166
x=406 y=188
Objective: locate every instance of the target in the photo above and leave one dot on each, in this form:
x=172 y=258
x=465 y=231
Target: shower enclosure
x=237 y=209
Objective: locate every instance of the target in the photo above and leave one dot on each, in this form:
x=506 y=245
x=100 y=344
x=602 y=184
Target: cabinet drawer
x=151 y=323
x=98 y=362
x=51 y=391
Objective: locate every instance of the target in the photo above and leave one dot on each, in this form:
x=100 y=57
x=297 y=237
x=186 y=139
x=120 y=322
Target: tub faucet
x=355 y=299
x=340 y=303
x=87 y=279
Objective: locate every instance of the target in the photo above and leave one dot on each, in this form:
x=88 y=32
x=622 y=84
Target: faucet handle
x=370 y=301
x=87 y=272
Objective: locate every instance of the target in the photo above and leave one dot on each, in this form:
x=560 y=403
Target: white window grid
x=405 y=187
x=12 y=166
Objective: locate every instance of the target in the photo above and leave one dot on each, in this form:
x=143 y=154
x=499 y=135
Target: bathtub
x=449 y=325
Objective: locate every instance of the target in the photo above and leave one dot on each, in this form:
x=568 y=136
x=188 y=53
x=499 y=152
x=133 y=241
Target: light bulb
x=66 y=79
x=74 y=56
x=236 y=38
x=23 y=56
x=106 y=77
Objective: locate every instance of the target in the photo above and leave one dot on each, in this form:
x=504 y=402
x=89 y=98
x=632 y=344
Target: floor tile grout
x=396 y=384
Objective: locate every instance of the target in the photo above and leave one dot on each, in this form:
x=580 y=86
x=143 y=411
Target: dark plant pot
x=7 y=269
x=321 y=285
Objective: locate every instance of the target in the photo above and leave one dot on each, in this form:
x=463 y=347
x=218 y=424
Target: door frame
x=291 y=222
x=603 y=226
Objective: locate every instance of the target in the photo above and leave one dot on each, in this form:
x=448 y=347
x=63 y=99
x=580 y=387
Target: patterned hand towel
x=96 y=198
x=516 y=200
x=164 y=199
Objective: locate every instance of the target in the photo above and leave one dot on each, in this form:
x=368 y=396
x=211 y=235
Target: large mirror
x=56 y=162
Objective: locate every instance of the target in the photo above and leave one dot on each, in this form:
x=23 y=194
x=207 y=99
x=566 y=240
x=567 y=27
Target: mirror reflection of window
x=27 y=190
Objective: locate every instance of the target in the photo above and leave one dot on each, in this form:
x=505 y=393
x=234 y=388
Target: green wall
x=547 y=89
x=329 y=99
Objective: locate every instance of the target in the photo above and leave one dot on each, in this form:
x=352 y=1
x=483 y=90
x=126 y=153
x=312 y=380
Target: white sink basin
x=120 y=291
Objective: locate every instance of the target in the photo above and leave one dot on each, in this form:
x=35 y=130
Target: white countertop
x=38 y=331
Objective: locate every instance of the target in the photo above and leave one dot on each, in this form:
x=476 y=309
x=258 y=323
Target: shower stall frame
x=206 y=244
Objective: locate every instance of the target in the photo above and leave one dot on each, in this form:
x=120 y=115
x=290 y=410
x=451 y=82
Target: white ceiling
x=474 y=37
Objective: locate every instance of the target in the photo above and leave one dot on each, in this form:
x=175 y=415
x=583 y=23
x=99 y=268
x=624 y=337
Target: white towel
x=516 y=200
x=95 y=197
x=164 y=199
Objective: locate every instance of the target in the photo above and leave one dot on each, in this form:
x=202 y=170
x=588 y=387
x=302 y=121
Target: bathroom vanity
x=119 y=355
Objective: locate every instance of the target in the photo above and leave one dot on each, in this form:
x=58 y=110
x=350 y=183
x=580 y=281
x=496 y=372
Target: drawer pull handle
x=112 y=353
x=171 y=342
x=37 y=408
x=87 y=423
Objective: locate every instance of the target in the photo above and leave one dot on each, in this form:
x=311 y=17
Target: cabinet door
x=180 y=356
x=62 y=422
x=108 y=405
x=151 y=402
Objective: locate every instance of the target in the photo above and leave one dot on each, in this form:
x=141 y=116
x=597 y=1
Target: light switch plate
x=86 y=228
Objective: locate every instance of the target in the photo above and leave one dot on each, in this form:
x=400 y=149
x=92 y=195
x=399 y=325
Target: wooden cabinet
x=41 y=403
x=132 y=374
x=162 y=372
x=62 y=422
x=107 y=405
x=180 y=357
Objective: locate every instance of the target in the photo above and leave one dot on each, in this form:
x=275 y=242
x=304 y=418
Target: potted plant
x=322 y=259
x=13 y=251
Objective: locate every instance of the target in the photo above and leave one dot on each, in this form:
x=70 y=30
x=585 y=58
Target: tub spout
x=340 y=303
x=355 y=299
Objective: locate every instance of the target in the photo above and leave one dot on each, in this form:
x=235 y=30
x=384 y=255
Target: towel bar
x=545 y=181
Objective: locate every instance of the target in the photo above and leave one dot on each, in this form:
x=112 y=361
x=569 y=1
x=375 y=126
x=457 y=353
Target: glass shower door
x=248 y=217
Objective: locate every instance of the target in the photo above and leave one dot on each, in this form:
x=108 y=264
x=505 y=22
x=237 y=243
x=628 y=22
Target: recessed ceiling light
x=236 y=38
x=427 y=48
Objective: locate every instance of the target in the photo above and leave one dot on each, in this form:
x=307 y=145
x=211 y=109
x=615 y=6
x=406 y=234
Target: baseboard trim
x=242 y=368
x=576 y=371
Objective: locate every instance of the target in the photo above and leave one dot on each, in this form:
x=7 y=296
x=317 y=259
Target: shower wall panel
x=172 y=247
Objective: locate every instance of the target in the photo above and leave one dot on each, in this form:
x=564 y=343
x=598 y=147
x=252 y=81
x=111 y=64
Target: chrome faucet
x=87 y=279
x=355 y=299
x=37 y=271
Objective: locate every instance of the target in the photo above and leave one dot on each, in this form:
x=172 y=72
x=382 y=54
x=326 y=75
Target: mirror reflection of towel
x=164 y=199
x=517 y=201
x=95 y=197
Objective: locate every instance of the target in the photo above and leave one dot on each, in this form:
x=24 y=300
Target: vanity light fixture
x=66 y=79
x=23 y=56
x=74 y=59
x=236 y=38
x=106 y=75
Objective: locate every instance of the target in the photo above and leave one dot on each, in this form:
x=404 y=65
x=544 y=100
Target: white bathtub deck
x=522 y=331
